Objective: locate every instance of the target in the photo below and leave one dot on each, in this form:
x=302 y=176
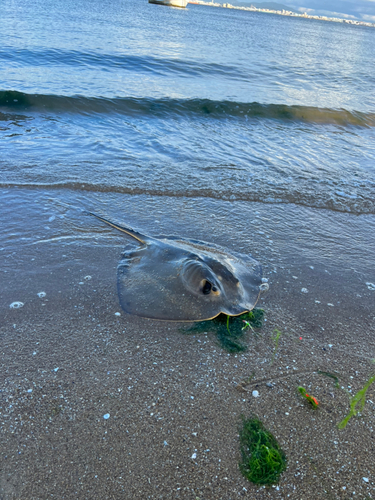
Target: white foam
x=16 y=305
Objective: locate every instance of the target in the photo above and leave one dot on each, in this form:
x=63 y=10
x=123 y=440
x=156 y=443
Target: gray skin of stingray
x=170 y=278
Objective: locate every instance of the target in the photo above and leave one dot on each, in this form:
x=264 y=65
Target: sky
x=351 y=9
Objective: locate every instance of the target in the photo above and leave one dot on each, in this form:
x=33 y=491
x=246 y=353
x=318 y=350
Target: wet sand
x=68 y=360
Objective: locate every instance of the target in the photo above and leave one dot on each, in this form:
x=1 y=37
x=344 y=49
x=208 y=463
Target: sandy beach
x=100 y=405
x=249 y=132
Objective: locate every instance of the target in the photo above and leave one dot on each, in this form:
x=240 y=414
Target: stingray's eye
x=207 y=287
x=199 y=279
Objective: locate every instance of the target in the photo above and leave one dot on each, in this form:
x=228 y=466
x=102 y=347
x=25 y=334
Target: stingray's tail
x=140 y=237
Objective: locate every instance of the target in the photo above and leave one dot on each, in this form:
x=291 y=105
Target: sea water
x=254 y=131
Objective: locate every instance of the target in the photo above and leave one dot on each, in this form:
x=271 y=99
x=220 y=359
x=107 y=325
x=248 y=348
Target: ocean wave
x=11 y=100
x=138 y=64
x=345 y=200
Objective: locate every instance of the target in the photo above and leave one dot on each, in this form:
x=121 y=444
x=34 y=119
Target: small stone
x=366 y=479
x=117 y=314
x=194 y=456
x=106 y=416
x=331 y=305
x=255 y=394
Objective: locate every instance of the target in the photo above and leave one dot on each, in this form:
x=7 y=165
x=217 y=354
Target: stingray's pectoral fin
x=127 y=230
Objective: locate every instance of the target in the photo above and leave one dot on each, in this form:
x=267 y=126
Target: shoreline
x=304 y=15
x=171 y=395
x=68 y=359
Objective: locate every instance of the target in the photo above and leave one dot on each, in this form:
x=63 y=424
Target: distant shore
x=288 y=13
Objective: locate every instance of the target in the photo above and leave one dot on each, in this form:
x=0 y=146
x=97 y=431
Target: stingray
x=170 y=278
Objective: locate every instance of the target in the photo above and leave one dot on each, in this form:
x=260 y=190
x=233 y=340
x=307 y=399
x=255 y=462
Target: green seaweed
x=331 y=375
x=309 y=398
x=228 y=325
x=262 y=459
x=230 y=330
x=358 y=399
x=276 y=334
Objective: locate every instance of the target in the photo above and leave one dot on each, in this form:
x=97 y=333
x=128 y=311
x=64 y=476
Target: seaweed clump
x=262 y=459
x=358 y=399
x=229 y=330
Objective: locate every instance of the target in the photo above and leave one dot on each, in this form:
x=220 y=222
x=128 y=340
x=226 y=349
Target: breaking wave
x=14 y=101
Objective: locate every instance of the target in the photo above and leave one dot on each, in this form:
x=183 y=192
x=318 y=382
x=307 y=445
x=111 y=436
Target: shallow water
x=48 y=241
